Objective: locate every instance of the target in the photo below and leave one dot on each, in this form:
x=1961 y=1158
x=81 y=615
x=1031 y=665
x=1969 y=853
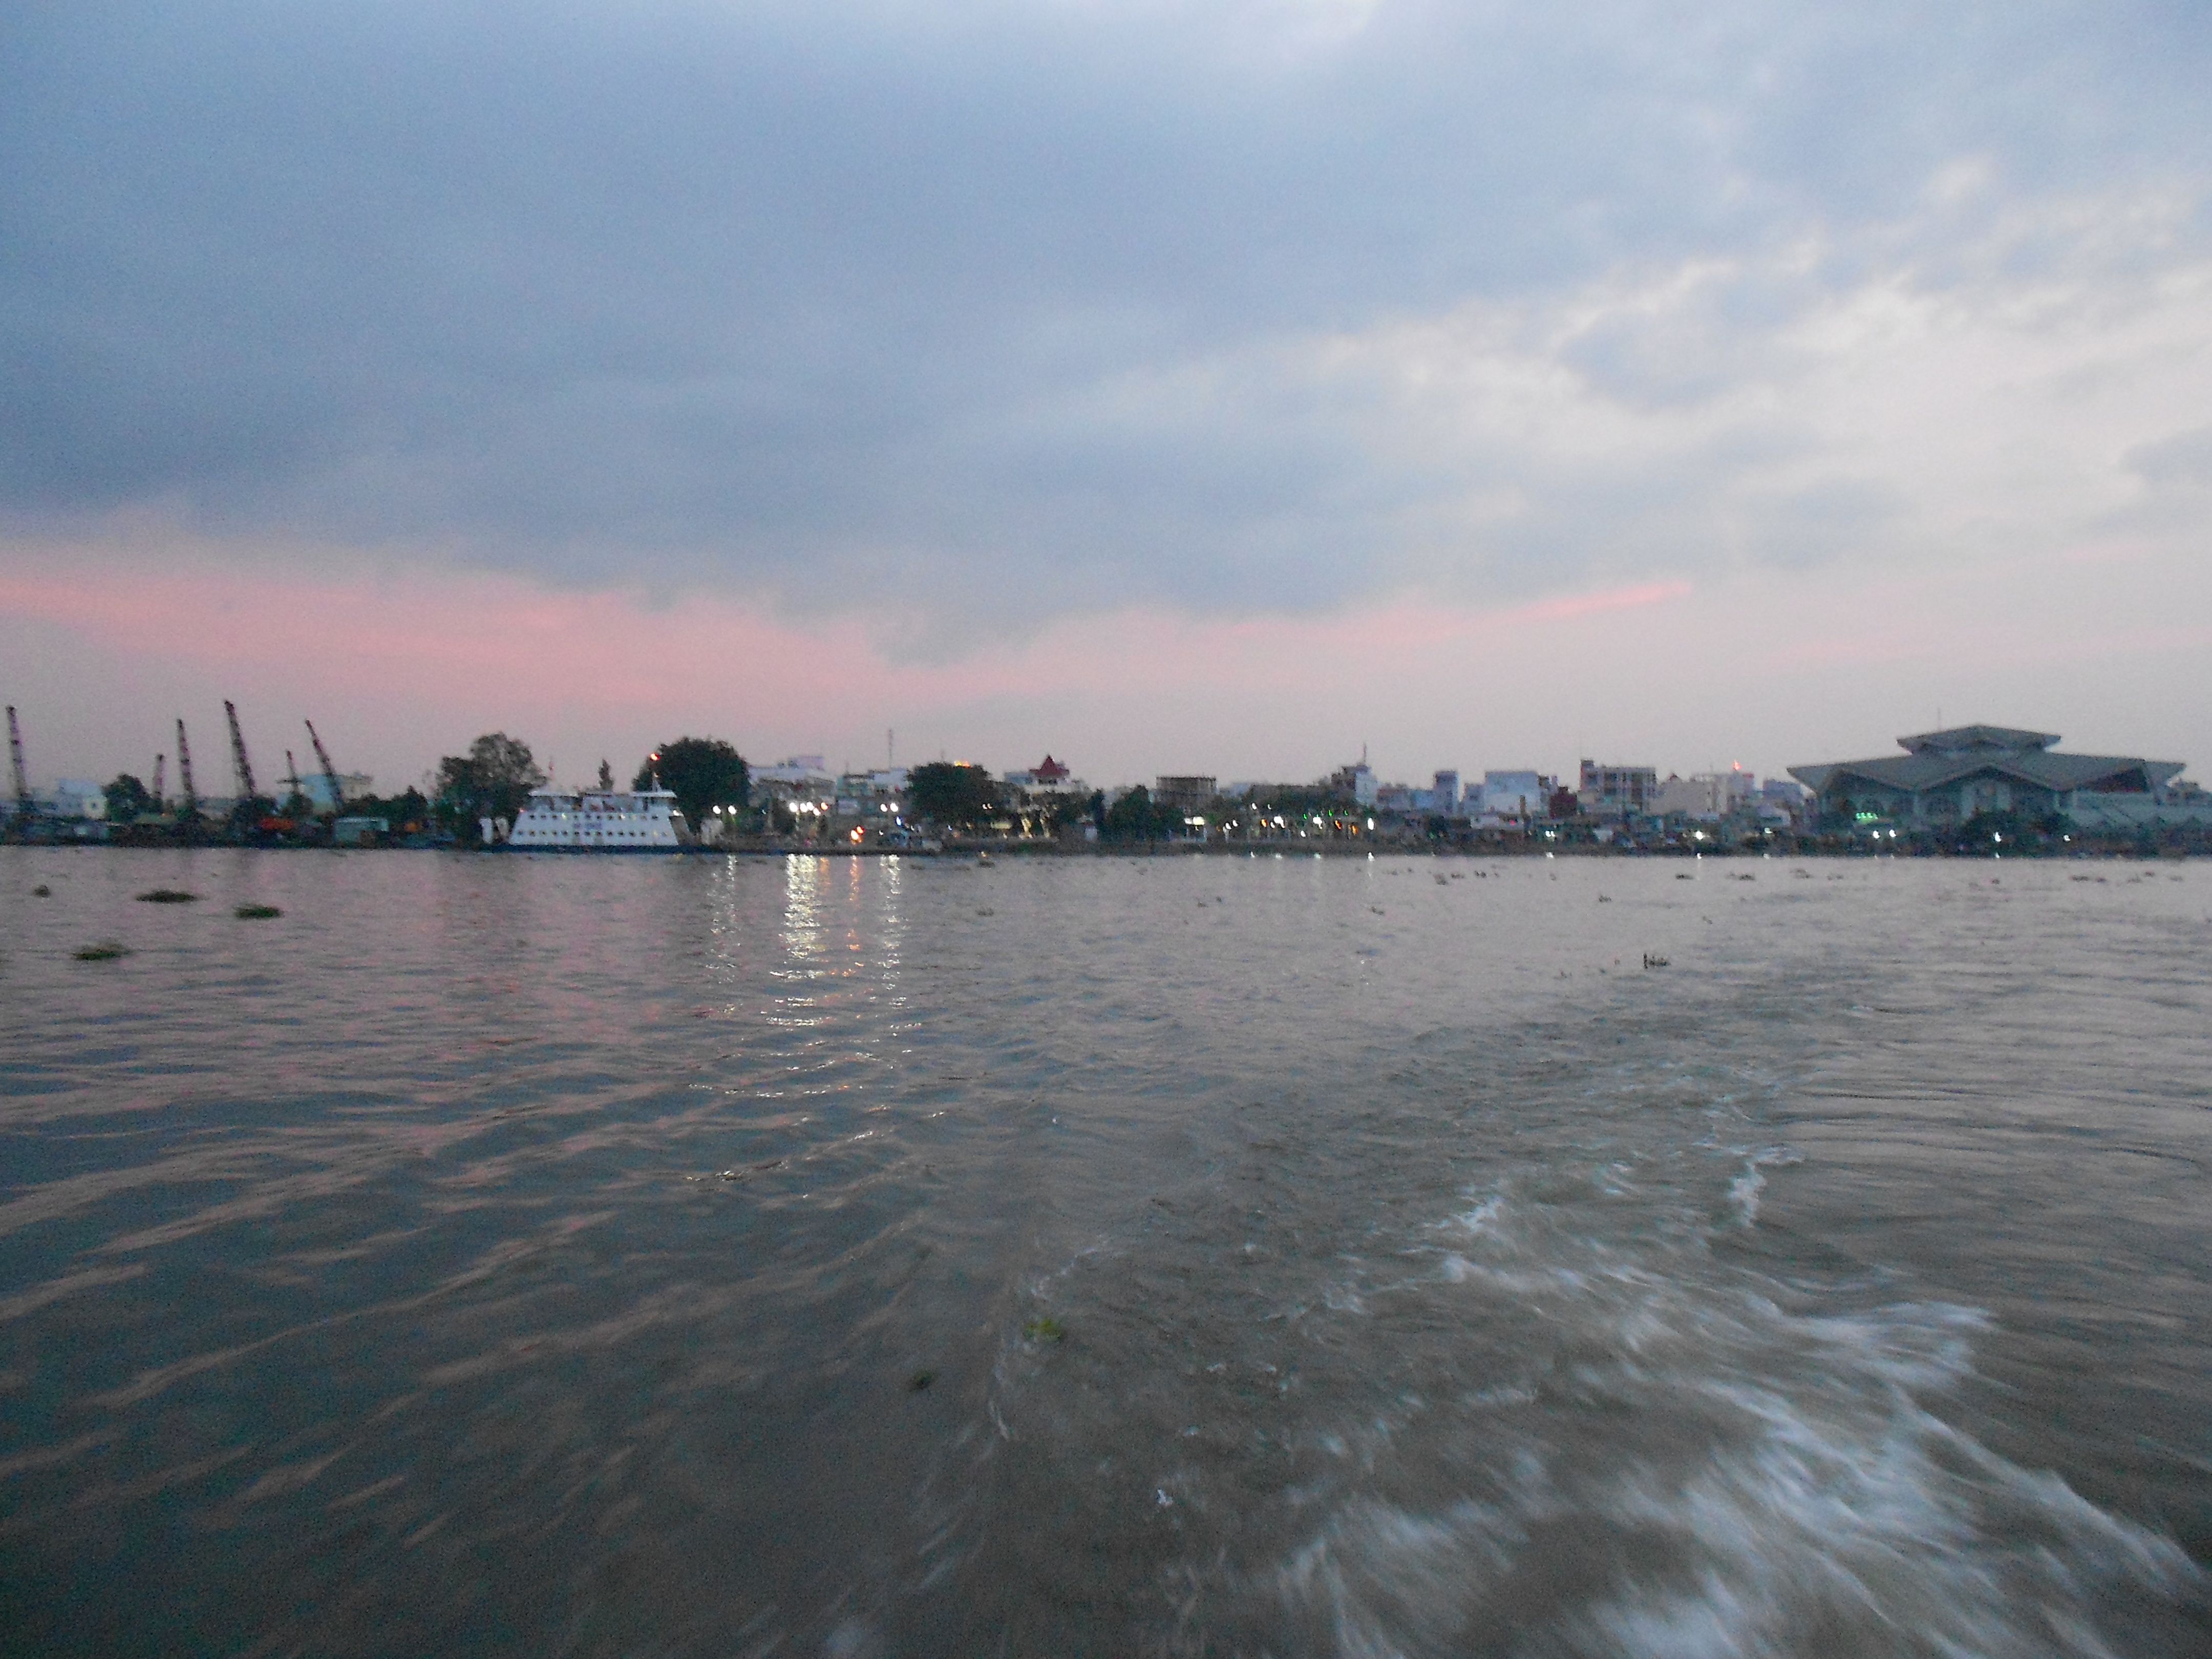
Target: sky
x=1177 y=388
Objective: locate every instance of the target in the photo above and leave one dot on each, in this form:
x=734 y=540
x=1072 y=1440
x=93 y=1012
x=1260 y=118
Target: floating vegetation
x=1650 y=961
x=107 y=951
x=167 y=895
x=1045 y=1330
x=919 y=1381
x=256 y=912
x=43 y=891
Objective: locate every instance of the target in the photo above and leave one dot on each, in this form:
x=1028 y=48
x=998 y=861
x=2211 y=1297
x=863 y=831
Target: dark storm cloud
x=957 y=304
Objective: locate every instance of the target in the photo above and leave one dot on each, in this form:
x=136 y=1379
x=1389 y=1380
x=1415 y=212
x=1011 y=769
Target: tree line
x=493 y=779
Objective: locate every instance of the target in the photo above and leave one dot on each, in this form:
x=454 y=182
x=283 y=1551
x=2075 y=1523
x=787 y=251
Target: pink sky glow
x=397 y=668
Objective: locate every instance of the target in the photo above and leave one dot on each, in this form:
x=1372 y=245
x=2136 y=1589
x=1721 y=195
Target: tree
x=492 y=780
x=606 y=775
x=407 y=812
x=126 y=799
x=703 y=772
x=1135 y=817
x=951 y=794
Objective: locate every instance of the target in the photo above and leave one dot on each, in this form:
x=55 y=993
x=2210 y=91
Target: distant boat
x=597 y=820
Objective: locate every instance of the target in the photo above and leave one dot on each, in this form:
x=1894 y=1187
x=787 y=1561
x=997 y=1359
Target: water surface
x=1275 y=1256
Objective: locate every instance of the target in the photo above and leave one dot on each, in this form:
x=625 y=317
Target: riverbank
x=1520 y=847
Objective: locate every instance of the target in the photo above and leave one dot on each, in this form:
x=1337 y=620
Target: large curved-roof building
x=1946 y=777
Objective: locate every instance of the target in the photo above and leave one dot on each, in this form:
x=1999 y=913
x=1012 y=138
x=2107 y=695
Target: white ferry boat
x=598 y=821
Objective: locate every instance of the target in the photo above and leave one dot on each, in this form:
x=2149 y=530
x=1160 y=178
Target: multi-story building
x=1185 y=792
x=1357 y=781
x=1516 y=795
x=1706 y=796
x=1612 y=792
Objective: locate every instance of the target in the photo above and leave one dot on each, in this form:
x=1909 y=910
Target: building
x=875 y=798
x=1514 y=794
x=801 y=783
x=1048 y=778
x=1683 y=797
x=316 y=788
x=1612 y=792
x=1185 y=793
x=1707 y=797
x=1944 y=778
x=74 y=798
x=1442 y=799
x=1356 y=781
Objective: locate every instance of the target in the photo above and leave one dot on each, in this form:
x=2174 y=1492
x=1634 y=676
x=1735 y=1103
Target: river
x=1097 y=1256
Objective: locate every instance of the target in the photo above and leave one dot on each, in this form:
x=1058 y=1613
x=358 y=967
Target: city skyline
x=1210 y=388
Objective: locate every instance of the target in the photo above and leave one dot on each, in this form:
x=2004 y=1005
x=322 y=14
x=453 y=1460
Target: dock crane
x=161 y=777
x=247 y=794
x=189 y=815
x=291 y=775
x=330 y=772
x=22 y=779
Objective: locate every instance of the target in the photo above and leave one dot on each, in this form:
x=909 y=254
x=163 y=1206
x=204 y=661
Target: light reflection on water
x=1098 y=1256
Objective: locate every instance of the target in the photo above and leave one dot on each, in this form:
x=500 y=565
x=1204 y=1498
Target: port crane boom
x=330 y=772
x=243 y=767
x=22 y=779
x=191 y=804
x=161 y=776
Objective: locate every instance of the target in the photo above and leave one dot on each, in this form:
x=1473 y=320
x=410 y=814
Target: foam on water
x=1744 y=1191
x=1701 y=1473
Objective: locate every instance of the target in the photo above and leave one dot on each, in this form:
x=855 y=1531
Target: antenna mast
x=330 y=772
x=192 y=803
x=239 y=764
x=15 y=761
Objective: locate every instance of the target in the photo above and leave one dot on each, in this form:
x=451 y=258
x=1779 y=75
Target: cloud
x=2183 y=461
x=975 y=314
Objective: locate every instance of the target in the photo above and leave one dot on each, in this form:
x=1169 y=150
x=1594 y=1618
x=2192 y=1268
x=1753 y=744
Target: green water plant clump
x=1045 y=1330
x=256 y=912
x=167 y=895
x=108 y=950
